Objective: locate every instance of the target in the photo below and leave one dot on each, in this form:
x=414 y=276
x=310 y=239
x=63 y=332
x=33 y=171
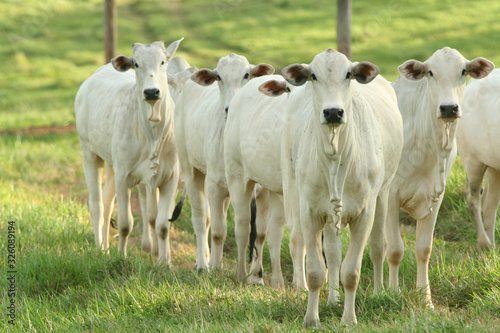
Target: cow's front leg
x=423 y=249
x=312 y=228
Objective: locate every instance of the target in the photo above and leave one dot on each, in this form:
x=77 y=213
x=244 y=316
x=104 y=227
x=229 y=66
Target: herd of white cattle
x=322 y=146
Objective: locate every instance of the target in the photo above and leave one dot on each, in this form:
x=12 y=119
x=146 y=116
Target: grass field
x=62 y=284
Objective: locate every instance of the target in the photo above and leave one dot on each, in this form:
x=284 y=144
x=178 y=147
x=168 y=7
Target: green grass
x=64 y=285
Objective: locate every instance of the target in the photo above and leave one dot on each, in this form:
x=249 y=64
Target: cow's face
x=149 y=62
x=232 y=73
x=331 y=73
x=445 y=72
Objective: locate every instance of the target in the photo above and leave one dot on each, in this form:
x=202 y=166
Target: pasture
x=62 y=284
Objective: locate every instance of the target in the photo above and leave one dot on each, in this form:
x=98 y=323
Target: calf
x=341 y=145
x=477 y=140
x=126 y=120
x=200 y=114
x=429 y=96
x=252 y=150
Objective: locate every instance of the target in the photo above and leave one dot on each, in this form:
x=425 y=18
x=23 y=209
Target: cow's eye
x=136 y=65
x=430 y=73
x=464 y=71
x=163 y=62
x=348 y=75
x=218 y=77
x=313 y=77
x=247 y=75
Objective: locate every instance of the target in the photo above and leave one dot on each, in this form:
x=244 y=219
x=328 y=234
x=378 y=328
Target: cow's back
x=100 y=99
x=253 y=133
x=199 y=128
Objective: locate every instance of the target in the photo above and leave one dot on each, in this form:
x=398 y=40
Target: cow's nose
x=151 y=94
x=333 y=116
x=449 y=112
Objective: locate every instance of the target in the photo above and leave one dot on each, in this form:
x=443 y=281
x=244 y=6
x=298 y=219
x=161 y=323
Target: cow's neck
x=335 y=147
x=436 y=141
x=155 y=133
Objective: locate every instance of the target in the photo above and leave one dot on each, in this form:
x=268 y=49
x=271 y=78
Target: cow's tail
x=253 y=230
x=178 y=207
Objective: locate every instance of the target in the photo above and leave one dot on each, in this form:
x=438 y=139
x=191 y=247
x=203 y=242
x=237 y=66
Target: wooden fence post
x=344 y=27
x=110 y=31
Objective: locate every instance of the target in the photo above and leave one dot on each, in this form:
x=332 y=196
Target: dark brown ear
x=480 y=68
x=261 y=70
x=122 y=63
x=296 y=74
x=364 y=72
x=413 y=70
x=204 y=76
x=274 y=88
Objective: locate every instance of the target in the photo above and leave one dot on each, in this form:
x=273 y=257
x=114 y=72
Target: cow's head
x=331 y=73
x=232 y=73
x=149 y=62
x=445 y=72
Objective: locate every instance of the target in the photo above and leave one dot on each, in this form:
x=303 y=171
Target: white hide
x=134 y=136
x=199 y=127
x=252 y=150
x=478 y=140
x=423 y=90
x=338 y=173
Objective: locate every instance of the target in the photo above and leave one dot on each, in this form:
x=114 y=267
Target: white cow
x=341 y=146
x=430 y=95
x=252 y=150
x=178 y=72
x=199 y=127
x=126 y=120
x=478 y=142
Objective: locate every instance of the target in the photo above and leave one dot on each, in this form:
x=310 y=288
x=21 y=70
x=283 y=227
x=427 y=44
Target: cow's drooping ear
x=296 y=74
x=364 y=72
x=261 y=70
x=204 y=76
x=122 y=63
x=172 y=48
x=274 y=88
x=480 y=68
x=413 y=70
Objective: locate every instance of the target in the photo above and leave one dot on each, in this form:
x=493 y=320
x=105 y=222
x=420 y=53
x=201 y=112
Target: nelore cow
x=478 y=141
x=430 y=96
x=125 y=119
x=200 y=118
x=341 y=145
x=252 y=150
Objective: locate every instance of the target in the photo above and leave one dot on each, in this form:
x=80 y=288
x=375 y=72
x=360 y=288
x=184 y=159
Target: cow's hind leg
x=195 y=186
x=109 y=204
x=275 y=229
x=218 y=228
x=93 y=169
x=166 y=204
x=378 y=242
x=241 y=196
x=491 y=200
x=261 y=204
x=472 y=189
